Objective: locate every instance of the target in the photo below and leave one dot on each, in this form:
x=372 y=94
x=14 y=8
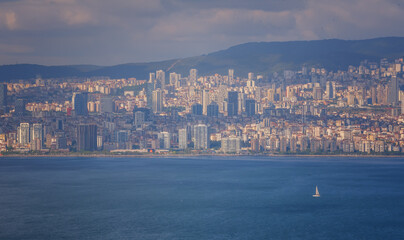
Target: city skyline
x=55 y=32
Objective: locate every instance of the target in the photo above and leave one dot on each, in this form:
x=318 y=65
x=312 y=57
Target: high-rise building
x=174 y=78
x=36 y=137
x=161 y=79
x=250 y=107
x=392 y=97
x=330 y=90
x=157 y=101
x=182 y=139
x=24 y=133
x=165 y=138
x=197 y=109
x=107 y=105
x=201 y=136
x=241 y=102
x=152 y=77
x=20 y=107
x=193 y=76
x=231 y=74
x=37 y=134
x=149 y=93
x=139 y=119
x=271 y=95
x=3 y=96
x=205 y=101
x=79 y=101
x=317 y=93
x=232 y=103
x=87 y=137
x=250 y=76
x=213 y=110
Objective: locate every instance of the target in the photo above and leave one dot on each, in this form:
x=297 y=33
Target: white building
x=201 y=136
x=182 y=138
x=231 y=145
x=24 y=133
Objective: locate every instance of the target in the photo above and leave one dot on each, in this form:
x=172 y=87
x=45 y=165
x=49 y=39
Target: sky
x=105 y=32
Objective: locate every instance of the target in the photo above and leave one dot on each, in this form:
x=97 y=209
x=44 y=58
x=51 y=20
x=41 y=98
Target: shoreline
x=192 y=155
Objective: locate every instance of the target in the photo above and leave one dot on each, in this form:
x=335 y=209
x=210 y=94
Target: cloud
x=112 y=32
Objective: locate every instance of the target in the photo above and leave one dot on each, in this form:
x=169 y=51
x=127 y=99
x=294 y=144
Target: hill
x=257 y=57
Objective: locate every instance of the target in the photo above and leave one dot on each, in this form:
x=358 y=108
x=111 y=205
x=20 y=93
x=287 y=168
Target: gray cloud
x=112 y=32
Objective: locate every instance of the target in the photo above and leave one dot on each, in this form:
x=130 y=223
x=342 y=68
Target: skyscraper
x=3 y=96
x=193 y=76
x=393 y=91
x=201 y=136
x=157 y=101
x=213 y=110
x=165 y=138
x=250 y=76
x=231 y=75
x=174 y=78
x=317 y=93
x=161 y=79
x=87 y=137
x=20 y=107
x=205 y=101
x=36 y=132
x=139 y=119
x=182 y=139
x=79 y=102
x=232 y=103
x=330 y=89
x=24 y=134
x=250 y=107
x=197 y=109
x=36 y=136
x=149 y=91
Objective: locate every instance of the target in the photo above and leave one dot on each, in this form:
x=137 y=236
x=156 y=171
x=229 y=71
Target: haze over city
x=55 y=32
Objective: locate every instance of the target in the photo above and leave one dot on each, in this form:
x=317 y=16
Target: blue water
x=201 y=198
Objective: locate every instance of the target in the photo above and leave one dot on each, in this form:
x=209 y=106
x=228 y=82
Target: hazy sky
x=107 y=32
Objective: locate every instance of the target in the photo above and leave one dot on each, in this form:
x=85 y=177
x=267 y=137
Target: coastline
x=194 y=155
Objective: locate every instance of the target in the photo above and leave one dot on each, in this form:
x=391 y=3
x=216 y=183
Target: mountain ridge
x=258 y=57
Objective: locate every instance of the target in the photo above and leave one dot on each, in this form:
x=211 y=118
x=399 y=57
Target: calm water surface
x=201 y=198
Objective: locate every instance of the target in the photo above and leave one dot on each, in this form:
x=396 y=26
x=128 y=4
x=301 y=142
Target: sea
x=201 y=198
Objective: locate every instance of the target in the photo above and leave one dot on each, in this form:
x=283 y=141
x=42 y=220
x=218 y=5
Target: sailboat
x=317 y=193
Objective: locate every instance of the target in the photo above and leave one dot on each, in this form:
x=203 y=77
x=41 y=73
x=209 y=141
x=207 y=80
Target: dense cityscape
x=310 y=111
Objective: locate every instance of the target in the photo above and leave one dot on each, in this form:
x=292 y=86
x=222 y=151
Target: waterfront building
x=182 y=139
x=37 y=135
x=231 y=145
x=201 y=137
x=24 y=133
x=87 y=137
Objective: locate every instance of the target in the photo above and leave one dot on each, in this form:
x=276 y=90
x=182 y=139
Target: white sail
x=317 y=193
